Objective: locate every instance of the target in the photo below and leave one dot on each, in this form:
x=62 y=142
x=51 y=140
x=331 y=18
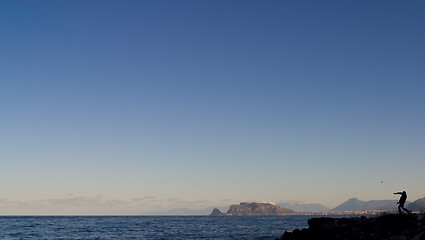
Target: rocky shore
x=387 y=226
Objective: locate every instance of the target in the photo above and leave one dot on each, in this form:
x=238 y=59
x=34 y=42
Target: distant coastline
x=352 y=206
x=268 y=209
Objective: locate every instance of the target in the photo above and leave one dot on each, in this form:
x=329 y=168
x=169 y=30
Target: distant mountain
x=418 y=205
x=253 y=209
x=299 y=206
x=354 y=204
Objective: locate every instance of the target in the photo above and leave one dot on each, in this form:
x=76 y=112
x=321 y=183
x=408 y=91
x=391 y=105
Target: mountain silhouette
x=354 y=204
x=300 y=206
x=417 y=205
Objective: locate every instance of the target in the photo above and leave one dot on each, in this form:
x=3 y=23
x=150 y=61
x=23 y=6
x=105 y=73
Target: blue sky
x=133 y=107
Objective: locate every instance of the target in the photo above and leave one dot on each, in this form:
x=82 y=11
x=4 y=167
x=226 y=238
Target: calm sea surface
x=148 y=227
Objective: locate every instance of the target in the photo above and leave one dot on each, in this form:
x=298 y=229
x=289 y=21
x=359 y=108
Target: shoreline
x=384 y=226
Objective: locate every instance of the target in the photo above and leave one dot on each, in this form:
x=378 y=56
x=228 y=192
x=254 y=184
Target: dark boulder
x=389 y=226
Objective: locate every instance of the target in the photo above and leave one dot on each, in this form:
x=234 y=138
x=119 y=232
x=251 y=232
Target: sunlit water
x=148 y=227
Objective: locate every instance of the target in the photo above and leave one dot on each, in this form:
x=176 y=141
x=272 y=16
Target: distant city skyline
x=133 y=107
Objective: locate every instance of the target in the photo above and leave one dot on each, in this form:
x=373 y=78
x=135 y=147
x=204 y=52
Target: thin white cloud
x=99 y=204
x=144 y=198
x=64 y=205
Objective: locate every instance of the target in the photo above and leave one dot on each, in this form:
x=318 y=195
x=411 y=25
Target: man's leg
x=406 y=210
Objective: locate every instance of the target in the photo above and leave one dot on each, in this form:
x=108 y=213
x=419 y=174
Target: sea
x=148 y=227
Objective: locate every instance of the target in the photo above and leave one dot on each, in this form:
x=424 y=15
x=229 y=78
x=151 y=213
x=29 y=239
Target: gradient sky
x=134 y=107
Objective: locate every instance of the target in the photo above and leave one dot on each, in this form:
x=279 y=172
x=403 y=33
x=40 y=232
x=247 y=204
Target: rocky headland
x=383 y=227
x=253 y=209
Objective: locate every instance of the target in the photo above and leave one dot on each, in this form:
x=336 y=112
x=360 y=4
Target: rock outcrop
x=257 y=209
x=217 y=212
x=390 y=226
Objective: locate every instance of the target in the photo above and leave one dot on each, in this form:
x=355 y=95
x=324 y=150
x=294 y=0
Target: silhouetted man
x=402 y=201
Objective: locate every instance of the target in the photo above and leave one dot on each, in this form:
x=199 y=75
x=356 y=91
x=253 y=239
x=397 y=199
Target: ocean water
x=148 y=227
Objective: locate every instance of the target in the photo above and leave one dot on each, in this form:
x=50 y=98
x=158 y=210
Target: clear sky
x=134 y=107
